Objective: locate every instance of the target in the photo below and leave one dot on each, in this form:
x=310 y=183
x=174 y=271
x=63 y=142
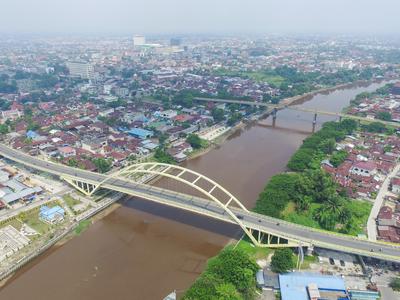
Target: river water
x=144 y=250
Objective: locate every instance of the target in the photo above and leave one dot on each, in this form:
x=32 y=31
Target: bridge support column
x=85 y=188
x=314 y=123
x=310 y=250
x=274 y=115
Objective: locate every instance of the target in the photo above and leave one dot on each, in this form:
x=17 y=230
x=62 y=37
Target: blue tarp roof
x=140 y=132
x=294 y=285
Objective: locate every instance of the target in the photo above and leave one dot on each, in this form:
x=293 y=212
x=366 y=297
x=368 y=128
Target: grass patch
x=253 y=251
x=289 y=209
x=32 y=220
x=70 y=201
x=82 y=226
x=359 y=214
x=308 y=259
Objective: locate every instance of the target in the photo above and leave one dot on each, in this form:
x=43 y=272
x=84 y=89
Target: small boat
x=171 y=296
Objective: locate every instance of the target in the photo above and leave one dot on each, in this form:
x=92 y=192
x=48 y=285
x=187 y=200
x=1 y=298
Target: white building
x=139 y=40
x=82 y=70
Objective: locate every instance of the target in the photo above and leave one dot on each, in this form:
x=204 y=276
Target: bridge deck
x=298 y=108
x=254 y=221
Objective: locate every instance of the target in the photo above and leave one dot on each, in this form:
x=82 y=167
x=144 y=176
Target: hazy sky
x=199 y=16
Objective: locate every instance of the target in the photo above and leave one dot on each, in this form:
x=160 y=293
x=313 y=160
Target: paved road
x=371 y=225
x=306 y=235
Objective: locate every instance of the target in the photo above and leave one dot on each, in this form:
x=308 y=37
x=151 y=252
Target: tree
x=195 y=141
x=338 y=158
x=332 y=211
x=301 y=159
x=276 y=195
x=3 y=129
x=234 y=118
x=218 y=115
x=103 y=165
x=282 y=260
x=230 y=275
x=328 y=146
x=163 y=157
x=72 y=162
x=227 y=291
x=375 y=127
x=384 y=115
x=395 y=284
x=205 y=287
x=236 y=267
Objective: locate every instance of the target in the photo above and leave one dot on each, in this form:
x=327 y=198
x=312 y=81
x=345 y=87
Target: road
x=294 y=232
x=371 y=225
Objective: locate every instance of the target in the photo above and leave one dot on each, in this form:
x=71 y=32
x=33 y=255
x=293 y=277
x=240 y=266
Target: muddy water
x=143 y=250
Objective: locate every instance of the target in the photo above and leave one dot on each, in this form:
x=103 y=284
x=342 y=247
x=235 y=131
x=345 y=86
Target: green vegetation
x=395 y=284
x=315 y=145
x=31 y=218
x=234 y=118
x=229 y=275
x=163 y=157
x=82 y=226
x=70 y=201
x=310 y=196
x=383 y=91
x=103 y=165
x=282 y=260
x=218 y=114
x=184 y=98
x=4 y=104
x=338 y=158
x=384 y=115
x=195 y=141
x=308 y=259
x=375 y=127
x=293 y=82
x=4 y=129
x=251 y=250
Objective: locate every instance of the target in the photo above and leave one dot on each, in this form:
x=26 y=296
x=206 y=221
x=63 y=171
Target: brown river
x=143 y=250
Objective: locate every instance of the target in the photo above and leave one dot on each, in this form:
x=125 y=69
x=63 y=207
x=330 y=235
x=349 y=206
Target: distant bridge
x=273 y=108
x=214 y=202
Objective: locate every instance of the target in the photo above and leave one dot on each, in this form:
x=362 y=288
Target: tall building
x=175 y=42
x=79 y=69
x=139 y=40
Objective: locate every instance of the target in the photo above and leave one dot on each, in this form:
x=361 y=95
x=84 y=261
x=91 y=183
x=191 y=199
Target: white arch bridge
x=210 y=199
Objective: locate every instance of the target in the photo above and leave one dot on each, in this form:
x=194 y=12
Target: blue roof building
x=31 y=134
x=305 y=286
x=141 y=133
x=51 y=215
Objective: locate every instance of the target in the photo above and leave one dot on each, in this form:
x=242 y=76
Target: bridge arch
x=177 y=173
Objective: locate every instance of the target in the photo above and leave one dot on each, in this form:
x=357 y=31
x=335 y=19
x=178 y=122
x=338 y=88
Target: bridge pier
x=310 y=250
x=314 y=123
x=274 y=115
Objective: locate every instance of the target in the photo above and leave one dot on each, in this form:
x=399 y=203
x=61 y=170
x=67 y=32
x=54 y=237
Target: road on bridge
x=271 y=107
x=293 y=232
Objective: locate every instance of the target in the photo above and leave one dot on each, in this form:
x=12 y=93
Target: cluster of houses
x=370 y=158
x=14 y=189
x=76 y=133
x=388 y=222
x=374 y=105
